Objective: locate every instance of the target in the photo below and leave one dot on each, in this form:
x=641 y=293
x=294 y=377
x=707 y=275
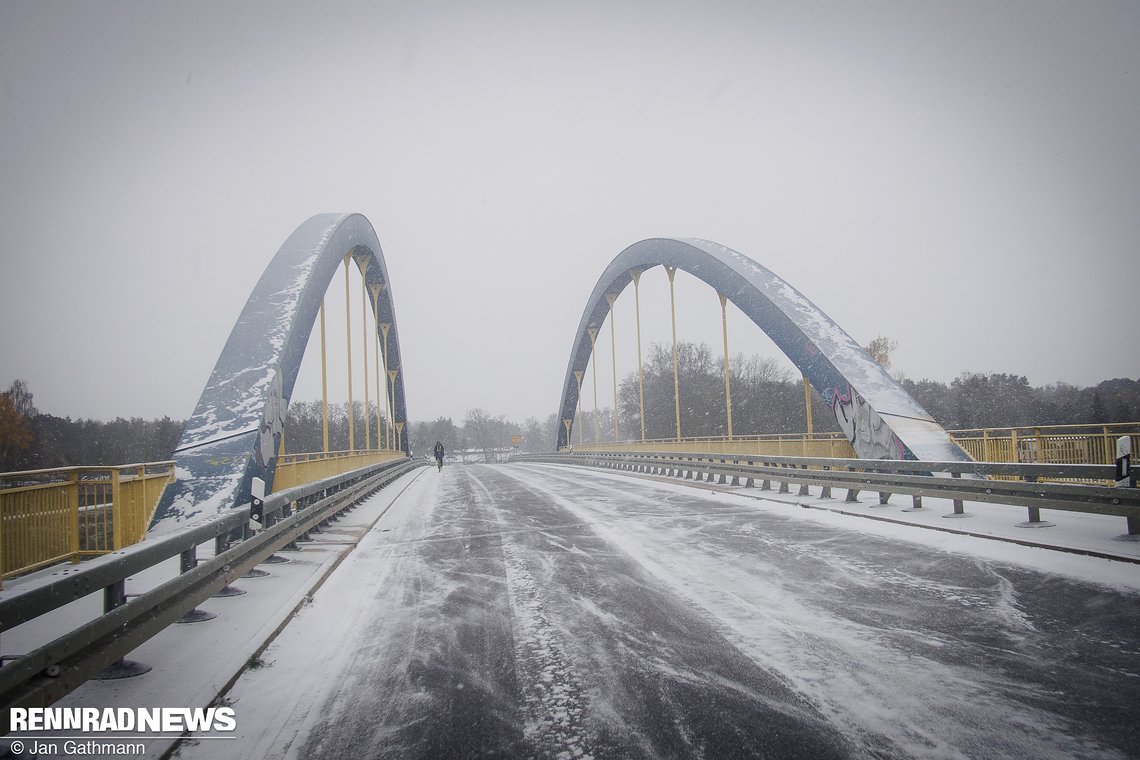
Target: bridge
x=735 y=595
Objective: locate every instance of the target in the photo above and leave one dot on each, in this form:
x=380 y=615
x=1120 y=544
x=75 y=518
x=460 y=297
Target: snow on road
x=540 y=611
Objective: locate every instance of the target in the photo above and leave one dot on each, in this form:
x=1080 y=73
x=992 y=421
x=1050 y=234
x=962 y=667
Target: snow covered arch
x=235 y=430
x=880 y=419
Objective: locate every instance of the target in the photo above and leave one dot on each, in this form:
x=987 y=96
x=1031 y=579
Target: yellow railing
x=1057 y=444
x=47 y=516
x=833 y=445
x=299 y=469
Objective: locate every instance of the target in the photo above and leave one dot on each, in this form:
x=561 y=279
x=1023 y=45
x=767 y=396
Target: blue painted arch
x=235 y=430
x=880 y=419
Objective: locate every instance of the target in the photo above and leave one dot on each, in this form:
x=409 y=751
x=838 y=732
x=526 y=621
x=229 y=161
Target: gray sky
x=963 y=177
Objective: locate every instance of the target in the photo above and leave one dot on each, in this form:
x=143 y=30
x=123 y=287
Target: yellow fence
x=831 y=445
x=1059 y=444
x=299 y=469
x=47 y=516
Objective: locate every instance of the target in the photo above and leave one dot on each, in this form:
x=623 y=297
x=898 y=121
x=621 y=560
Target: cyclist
x=438 y=451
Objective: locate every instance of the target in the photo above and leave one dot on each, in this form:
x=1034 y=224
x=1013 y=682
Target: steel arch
x=236 y=427
x=880 y=419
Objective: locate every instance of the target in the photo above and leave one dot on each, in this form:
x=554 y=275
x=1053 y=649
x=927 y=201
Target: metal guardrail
x=67 y=513
x=958 y=481
x=53 y=670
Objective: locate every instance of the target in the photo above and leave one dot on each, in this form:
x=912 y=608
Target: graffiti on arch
x=867 y=431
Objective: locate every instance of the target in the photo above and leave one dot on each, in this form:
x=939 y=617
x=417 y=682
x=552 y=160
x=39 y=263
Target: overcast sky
x=962 y=177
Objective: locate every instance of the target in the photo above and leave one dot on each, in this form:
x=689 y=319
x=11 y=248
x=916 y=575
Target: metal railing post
x=115 y=595
x=727 y=385
x=363 y=264
x=73 y=507
x=187 y=561
x=959 y=505
x=324 y=385
x=611 y=297
x=116 y=511
x=672 y=272
x=376 y=289
x=593 y=331
x=636 y=275
x=581 y=417
x=807 y=403
x=348 y=352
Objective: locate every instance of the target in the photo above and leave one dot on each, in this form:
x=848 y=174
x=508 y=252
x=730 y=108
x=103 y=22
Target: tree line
x=32 y=440
x=769 y=399
x=766 y=398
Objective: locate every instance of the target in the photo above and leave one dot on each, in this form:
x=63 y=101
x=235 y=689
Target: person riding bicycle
x=438 y=451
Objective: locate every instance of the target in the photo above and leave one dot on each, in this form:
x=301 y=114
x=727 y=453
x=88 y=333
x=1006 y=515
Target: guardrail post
x=959 y=506
x=915 y=503
x=114 y=596
x=804 y=486
x=825 y=491
x=852 y=496
x=271 y=520
x=187 y=561
x=221 y=544
x=1034 y=520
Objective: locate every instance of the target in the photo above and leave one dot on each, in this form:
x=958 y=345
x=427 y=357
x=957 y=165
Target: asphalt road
x=537 y=611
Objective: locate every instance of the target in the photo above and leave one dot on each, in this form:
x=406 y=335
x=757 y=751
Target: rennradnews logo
x=122 y=719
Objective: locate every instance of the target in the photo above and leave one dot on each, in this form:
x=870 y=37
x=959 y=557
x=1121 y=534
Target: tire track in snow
x=554 y=699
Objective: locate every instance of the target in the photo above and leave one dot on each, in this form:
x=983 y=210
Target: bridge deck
x=531 y=610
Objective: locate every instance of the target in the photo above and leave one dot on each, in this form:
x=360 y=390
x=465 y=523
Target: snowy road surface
x=541 y=611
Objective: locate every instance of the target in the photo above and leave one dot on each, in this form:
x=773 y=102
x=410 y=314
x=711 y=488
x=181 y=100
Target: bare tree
x=880 y=350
